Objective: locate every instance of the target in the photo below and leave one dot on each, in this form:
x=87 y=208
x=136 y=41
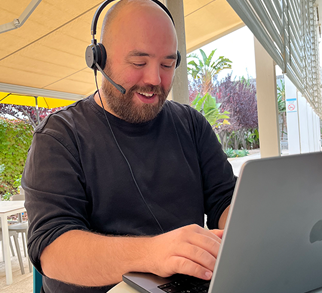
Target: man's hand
x=102 y=260
x=189 y=250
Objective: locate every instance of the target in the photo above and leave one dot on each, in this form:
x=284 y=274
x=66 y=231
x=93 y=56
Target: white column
x=302 y=103
x=268 y=125
x=316 y=133
x=319 y=132
x=292 y=117
x=180 y=92
x=170 y=95
x=310 y=128
x=316 y=138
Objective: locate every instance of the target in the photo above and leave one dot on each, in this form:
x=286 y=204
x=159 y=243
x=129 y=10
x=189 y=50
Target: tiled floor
x=23 y=283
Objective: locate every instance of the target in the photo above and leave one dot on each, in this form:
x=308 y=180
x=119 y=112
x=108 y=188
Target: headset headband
x=104 y=4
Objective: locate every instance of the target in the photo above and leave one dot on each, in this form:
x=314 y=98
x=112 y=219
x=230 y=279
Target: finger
x=197 y=255
x=217 y=232
x=208 y=242
x=206 y=232
x=188 y=267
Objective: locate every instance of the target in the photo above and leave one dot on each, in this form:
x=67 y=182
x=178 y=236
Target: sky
x=237 y=46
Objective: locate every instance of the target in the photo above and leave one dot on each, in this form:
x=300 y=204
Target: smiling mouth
x=146 y=95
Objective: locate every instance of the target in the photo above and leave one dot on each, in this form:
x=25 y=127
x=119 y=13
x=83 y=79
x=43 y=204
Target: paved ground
x=23 y=283
x=238 y=162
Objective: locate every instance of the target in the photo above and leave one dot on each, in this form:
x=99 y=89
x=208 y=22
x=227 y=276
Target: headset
x=95 y=54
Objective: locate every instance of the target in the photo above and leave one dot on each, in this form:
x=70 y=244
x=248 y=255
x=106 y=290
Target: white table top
x=122 y=288
x=11 y=207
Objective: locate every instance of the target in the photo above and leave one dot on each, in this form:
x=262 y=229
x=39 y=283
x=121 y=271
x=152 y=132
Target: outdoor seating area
x=14 y=229
x=255 y=95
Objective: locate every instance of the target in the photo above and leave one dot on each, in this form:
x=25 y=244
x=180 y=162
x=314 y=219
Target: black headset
x=96 y=54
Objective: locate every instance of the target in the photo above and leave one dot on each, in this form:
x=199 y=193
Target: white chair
x=15 y=238
x=21 y=227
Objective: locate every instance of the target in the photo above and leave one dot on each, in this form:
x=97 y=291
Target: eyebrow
x=136 y=53
x=172 y=56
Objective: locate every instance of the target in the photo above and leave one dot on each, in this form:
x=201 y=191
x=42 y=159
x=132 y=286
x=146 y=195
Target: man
x=126 y=192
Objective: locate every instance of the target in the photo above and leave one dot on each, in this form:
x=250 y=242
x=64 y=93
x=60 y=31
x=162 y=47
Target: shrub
x=236 y=153
x=15 y=139
x=6 y=196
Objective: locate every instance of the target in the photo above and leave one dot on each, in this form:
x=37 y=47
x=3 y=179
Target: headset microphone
x=118 y=87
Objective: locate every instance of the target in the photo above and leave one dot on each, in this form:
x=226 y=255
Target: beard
x=124 y=107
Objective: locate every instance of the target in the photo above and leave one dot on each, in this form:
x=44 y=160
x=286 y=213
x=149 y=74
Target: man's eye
x=167 y=66
x=139 y=64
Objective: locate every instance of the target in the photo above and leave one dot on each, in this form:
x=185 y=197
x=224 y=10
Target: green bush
x=15 y=139
x=6 y=196
x=236 y=153
x=229 y=152
x=241 y=153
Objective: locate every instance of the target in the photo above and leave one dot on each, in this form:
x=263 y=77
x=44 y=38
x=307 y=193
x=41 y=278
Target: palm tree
x=205 y=69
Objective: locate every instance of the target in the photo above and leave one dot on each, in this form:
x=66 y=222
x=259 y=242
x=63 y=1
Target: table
x=122 y=288
x=125 y=288
x=8 y=208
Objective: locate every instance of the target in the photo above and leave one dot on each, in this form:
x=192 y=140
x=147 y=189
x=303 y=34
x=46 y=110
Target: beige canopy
x=47 y=51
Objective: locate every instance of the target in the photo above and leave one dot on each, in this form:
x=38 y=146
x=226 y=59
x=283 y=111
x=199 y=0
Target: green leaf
x=204 y=56
x=210 y=103
x=210 y=57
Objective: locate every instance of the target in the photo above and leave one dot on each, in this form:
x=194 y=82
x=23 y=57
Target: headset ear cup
x=100 y=55
x=89 y=57
x=178 y=59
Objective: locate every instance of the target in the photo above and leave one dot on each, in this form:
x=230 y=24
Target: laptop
x=273 y=237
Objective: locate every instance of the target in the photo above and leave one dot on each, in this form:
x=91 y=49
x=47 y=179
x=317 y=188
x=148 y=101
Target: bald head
x=126 y=13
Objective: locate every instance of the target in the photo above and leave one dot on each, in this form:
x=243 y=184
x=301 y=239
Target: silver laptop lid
x=272 y=241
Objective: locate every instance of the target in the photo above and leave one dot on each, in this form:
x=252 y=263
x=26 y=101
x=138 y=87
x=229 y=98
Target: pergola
x=47 y=52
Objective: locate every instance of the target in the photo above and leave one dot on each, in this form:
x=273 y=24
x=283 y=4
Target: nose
x=152 y=75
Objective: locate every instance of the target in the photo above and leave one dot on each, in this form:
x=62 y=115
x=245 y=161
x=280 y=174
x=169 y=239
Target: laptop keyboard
x=186 y=284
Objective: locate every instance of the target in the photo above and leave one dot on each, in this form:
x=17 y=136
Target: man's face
x=125 y=107
x=141 y=58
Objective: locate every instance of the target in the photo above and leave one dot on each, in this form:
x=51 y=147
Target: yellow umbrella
x=33 y=101
x=24 y=100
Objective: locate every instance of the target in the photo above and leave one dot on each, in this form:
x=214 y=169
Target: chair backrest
x=37 y=281
x=11 y=233
x=18 y=197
